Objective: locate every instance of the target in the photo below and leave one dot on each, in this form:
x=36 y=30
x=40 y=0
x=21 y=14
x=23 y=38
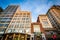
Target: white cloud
x=36 y=7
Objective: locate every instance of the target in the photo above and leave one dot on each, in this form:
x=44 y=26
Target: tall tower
x=48 y=29
x=6 y=16
x=20 y=22
x=54 y=16
x=13 y=21
x=43 y=19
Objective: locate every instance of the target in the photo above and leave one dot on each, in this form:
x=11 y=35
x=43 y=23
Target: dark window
x=1 y=25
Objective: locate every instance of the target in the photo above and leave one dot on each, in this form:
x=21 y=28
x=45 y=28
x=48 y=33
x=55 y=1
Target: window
x=9 y=30
x=23 y=18
x=27 y=18
x=14 y=18
x=45 y=22
x=28 y=30
x=6 y=25
x=28 y=13
x=16 y=26
x=24 y=13
x=0 y=18
x=20 y=13
x=21 y=25
x=2 y=21
x=16 y=30
x=17 y=14
x=1 y=25
x=2 y=29
x=6 y=19
x=23 y=21
x=18 y=21
x=7 y=22
x=36 y=28
x=20 y=31
x=28 y=21
x=13 y=21
x=47 y=26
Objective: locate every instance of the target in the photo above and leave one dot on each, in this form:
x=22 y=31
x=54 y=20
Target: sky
x=36 y=7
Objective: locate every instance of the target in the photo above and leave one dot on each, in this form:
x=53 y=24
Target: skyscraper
x=20 y=23
x=13 y=20
x=48 y=29
x=54 y=16
x=5 y=17
x=43 y=19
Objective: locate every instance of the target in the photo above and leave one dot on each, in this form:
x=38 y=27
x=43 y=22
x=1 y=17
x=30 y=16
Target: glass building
x=13 y=21
x=5 y=17
x=20 y=23
x=54 y=16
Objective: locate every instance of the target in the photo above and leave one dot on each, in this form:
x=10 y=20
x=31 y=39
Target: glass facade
x=6 y=17
x=21 y=23
x=45 y=21
x=54 y=18
x=4 y=20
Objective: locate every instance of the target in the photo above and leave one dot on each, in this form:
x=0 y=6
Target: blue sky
x=36 y=7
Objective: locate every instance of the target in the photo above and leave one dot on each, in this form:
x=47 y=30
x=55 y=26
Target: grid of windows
x=45 y=21
x=46 y=24
x=36 y=28
x=21 y=23
x=53 y=19
x=5 y=18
